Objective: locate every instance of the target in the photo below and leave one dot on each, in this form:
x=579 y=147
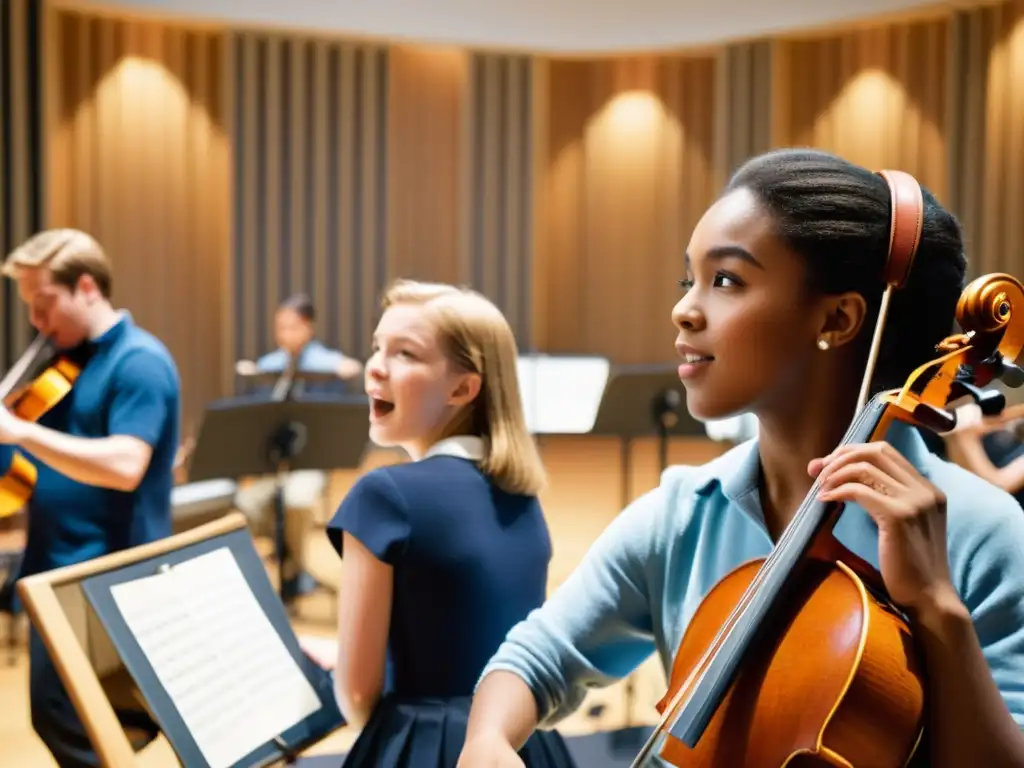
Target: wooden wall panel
x=628 y=171
x=875 y=96
x=986 y=134
x=426 y=135
x=309 y=212
x=497 y=191
x=139 y=156
x=459 y=181
x=745 y=91
x=21 y=155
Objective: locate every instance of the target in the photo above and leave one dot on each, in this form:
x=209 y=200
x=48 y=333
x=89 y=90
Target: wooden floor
x=584 y=495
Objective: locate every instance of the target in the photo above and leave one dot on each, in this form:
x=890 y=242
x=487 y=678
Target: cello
x=800 y=658
x=39 y=380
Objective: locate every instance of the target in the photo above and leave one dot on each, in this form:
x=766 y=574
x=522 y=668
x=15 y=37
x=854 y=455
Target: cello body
x=834 y=680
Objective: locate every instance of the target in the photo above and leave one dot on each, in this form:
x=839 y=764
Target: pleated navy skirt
x=430 y=733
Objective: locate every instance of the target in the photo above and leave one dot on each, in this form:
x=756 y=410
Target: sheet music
x=561 y=395
x=222 y=663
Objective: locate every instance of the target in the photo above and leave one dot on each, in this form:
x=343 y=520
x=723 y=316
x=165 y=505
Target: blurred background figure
x=992 y=448
x=298 y=352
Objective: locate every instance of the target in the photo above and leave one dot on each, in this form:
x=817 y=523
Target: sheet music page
x=526 y=369
x=224 y=666
x=568 y=393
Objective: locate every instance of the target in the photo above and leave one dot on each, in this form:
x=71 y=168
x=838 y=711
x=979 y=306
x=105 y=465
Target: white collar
x=460 y=446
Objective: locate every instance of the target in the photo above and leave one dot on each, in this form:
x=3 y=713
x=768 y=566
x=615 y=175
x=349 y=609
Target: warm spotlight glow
x=870 y=92
x=145 y=79
x=861 y=115
x=633 y=114
x=141 y=108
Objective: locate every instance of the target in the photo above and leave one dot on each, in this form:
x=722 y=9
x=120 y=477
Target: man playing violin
x=782 y=285
x=104 y=453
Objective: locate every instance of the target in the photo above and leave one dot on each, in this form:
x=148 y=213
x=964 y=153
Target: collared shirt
x=469 y=447
x=129 y=385
x=641 y=582
x=470 y=560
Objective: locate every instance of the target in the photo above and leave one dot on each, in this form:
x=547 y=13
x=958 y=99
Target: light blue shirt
x=314 y=358
x=642 y=580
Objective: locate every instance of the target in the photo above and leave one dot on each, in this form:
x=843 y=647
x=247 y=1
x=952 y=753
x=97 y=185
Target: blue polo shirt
x=641 y=582
x=129 y=385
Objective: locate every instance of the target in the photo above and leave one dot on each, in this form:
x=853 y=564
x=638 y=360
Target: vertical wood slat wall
x=139 y=157
x=745 y=89
x=309 y=174
x=627 y=172
x=507 y=173
x=986 y=134
x=498 y=200
x=21 y=155
x=356 y=165
x=876 y=96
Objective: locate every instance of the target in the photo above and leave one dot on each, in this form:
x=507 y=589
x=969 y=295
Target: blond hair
x=67 y=254
x=476 y=338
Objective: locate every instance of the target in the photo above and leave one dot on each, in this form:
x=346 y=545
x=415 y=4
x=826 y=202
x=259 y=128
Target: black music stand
x=269 y=383
x=641 y=400
x=248 y=436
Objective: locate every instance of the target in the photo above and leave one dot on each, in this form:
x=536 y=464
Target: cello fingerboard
x=699 y=704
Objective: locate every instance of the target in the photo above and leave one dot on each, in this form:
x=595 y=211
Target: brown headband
x=905 y=227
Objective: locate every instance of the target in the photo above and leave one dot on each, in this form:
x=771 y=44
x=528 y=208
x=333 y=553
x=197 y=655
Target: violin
x=39 y=380
x=800 y=657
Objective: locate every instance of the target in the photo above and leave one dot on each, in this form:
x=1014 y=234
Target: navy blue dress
x=470 y=561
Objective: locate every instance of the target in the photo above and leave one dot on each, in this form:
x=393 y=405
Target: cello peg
x=1011 y=374
x=991 y=401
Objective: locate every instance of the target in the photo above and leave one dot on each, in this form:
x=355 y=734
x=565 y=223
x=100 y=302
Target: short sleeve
x=985 y=537
x=375 y=512
x=145 y=391
x=990 y=580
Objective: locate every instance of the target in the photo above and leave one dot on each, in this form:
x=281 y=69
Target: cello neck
x=712 y=678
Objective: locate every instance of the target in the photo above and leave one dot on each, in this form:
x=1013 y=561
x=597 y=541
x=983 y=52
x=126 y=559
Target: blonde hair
x=67 y=254
x=476 y=338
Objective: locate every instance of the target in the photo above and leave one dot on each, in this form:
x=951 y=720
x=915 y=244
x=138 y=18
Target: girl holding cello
x=783 y=283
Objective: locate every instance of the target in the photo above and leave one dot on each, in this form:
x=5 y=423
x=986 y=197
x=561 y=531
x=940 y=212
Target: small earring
x=822 y=344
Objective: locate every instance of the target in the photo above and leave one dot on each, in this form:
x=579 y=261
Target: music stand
x=246 y=436
x=104 y=665
x=285 y=387
x=641 y=400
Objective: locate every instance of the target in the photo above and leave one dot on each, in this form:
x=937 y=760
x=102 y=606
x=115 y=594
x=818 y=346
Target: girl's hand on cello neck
x=911 y=516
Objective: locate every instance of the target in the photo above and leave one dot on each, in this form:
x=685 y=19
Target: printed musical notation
x=219 y=658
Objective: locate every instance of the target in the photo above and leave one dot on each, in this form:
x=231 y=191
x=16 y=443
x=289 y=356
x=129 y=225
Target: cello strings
x=700 y=669
x=791 y=530
x=797 y=526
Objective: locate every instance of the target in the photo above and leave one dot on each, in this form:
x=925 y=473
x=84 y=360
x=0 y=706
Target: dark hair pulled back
x=300 y=304
x=837 y=216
